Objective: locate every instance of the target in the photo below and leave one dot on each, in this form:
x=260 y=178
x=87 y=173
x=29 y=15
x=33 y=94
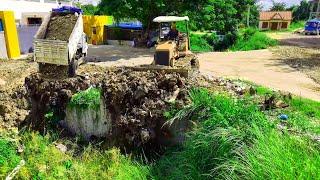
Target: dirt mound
x=60 y=27
x=14 y=107
x=136 y=100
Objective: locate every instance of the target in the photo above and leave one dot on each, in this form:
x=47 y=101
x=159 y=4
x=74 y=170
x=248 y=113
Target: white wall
x=20 y=6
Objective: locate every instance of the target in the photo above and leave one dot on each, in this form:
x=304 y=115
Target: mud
x=60 y=27
x=136 y=100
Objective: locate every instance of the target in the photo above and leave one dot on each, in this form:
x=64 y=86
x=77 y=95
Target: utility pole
x=248 y=16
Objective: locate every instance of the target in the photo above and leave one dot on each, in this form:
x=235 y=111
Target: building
x=275 y=20
x=28 y=16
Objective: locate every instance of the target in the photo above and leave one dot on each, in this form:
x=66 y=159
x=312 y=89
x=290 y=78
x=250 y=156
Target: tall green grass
x=233 y=139
x=278 y=156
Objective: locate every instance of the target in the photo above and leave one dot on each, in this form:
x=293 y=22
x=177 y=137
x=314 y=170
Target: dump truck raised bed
x=60 y=43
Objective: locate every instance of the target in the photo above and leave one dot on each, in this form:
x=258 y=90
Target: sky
x=268 y=3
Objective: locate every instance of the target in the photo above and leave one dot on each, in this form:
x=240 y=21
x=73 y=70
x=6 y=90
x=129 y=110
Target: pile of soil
x=60 y=27
x=14 y=106
x=136 y=100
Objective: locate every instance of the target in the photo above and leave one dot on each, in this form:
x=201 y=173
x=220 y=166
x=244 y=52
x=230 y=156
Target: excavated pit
x=135 y=100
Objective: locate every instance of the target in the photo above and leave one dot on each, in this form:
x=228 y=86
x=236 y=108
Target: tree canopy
x=278 y=6
x=219 y=15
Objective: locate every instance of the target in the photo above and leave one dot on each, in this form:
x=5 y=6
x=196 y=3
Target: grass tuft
x=89 y=98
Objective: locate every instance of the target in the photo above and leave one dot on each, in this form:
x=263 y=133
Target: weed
x=45 y=161
x=89 y=98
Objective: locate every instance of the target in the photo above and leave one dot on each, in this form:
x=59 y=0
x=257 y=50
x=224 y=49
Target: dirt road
x=108 y=55
x=261 y=67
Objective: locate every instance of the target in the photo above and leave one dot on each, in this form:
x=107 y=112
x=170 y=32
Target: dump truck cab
x=172 y=44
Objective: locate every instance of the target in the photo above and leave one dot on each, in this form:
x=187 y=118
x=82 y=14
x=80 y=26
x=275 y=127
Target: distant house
x=275 y=20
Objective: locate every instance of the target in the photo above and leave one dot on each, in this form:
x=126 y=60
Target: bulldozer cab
x=172 y=44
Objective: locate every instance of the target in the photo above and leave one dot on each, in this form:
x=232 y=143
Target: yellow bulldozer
x=172 y=44
x=172 y=52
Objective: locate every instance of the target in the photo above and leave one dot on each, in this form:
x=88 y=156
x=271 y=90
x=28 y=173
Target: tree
x=88 y=9
x=278 y=6
x=302 y=11
x=220 y=15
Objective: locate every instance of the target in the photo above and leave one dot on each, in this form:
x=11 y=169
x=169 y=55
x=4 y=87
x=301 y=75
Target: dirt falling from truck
x=60 y=27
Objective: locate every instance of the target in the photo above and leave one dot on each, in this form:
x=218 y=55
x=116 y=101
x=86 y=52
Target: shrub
x=251 y=39
x=199 y=43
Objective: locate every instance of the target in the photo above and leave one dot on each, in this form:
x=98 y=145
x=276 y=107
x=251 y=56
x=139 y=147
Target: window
x=265 y=25
x=94 y=30
x=34 y=21
x=284 y=25
x=1 y=26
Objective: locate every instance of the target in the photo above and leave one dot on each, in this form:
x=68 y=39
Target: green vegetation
x=45 y=161
x=199 y=43
x=233 y=139
x=85 y=99
x=219 y=15
x=296 y=25
x=252 y=39
x=9 y=158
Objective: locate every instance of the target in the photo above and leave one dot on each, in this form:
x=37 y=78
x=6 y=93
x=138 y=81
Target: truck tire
x=73 y=66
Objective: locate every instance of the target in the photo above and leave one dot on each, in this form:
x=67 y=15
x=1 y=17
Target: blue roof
x=128 y=25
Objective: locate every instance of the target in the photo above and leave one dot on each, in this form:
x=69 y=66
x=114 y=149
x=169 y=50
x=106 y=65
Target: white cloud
x=268 y=3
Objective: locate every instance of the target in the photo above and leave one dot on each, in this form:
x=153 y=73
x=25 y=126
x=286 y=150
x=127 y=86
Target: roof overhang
x=162 y=19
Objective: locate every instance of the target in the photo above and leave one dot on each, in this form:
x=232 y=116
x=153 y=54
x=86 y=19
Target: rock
x=281 y=104
x=61 y=147
x=145 y=135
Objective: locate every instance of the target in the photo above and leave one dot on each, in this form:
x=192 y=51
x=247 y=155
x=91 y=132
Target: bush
x=251 y=39
x=199 y=43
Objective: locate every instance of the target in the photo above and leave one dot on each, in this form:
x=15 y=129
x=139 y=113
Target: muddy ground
x=60 y=27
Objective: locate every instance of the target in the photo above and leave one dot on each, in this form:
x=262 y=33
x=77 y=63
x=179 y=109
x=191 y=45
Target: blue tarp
x=312 y=25
x=128 y=25
x=68 y=9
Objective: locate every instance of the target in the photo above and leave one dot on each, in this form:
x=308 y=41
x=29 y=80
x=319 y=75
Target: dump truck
x=56 y=52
